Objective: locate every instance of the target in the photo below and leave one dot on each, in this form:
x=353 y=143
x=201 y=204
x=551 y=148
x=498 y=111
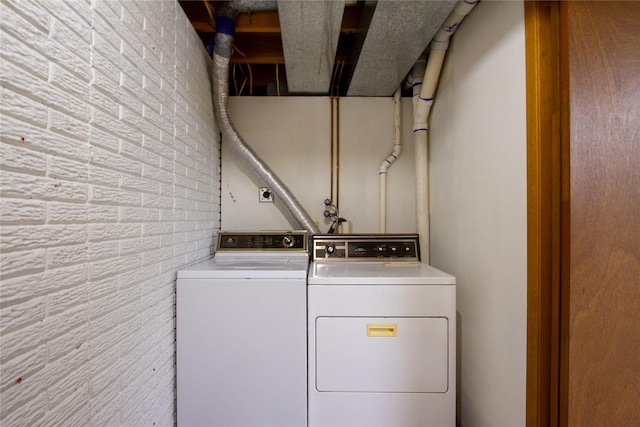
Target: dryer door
x=382 y=354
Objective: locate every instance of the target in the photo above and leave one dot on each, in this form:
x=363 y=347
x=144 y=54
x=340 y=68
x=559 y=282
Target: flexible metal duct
x=225 y=29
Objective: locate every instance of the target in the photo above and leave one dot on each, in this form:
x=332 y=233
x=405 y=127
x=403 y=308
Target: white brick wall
x=109 y=184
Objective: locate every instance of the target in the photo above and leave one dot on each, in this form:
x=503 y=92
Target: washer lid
x=248 y=268
x=377 y=273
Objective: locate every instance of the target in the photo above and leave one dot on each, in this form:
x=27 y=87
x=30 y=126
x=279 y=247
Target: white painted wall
x=109 y=184
x=478 y=208
x=293 y=136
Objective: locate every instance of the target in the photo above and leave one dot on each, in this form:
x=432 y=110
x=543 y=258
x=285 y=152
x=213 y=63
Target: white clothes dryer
x=241 y=333
x=382 y=333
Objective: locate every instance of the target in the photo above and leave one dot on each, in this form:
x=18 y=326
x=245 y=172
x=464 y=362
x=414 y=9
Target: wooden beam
x=258 y=22
x=262 y=59
x=265 y=22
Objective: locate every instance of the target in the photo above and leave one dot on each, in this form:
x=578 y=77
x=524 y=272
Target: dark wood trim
x=544 y=179
x=563 y=379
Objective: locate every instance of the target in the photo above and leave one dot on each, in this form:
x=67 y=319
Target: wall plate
x=265 y=195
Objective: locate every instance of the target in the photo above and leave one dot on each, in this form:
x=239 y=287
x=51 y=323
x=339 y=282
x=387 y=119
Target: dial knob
x=288 y=241
x=330 y=249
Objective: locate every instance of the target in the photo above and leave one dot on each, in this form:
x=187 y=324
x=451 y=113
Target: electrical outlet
x=265 y=195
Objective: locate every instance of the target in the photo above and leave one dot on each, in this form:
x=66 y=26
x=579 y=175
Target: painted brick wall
x=109 y=184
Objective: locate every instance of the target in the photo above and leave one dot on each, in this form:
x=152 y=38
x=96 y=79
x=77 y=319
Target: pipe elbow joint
x=463 y=8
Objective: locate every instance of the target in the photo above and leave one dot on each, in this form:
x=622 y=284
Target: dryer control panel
x=365 y=247
x=263 y=241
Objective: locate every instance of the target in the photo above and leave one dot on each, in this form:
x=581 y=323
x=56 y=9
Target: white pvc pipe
x=421 y=108
x=388 y=161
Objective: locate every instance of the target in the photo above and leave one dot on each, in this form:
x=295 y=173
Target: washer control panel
x=270 y=241
x=365 y=247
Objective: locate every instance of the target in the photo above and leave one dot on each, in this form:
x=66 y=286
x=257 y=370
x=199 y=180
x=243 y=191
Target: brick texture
x=109 y=162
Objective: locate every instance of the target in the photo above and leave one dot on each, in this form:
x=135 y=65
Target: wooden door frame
x=545 y=114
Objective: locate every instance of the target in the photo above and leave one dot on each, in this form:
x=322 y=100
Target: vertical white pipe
x=382 y=217
x=388 y=161
x=422 y=107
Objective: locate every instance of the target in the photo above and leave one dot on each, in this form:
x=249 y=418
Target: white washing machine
x=382 y=337
x=241 y=333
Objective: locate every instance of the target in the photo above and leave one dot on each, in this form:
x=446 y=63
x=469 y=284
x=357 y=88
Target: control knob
x=330 y=249
x=288 y=241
